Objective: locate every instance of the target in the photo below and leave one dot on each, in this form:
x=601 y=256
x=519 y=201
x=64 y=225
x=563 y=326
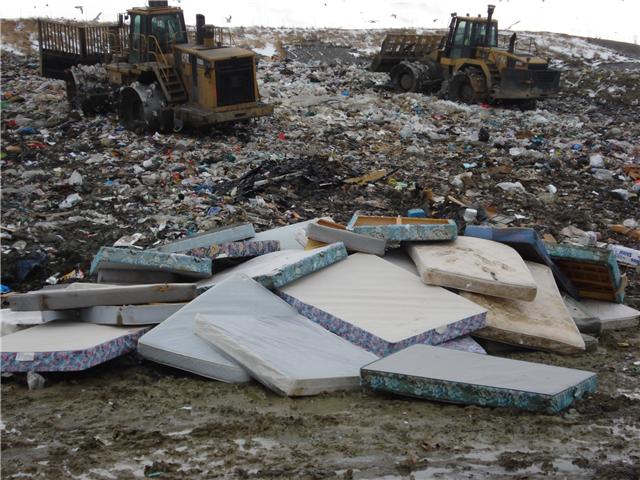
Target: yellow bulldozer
x=466 y=64
x=150 y=71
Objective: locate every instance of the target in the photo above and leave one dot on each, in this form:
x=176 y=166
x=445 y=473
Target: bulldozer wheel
x=131 y=110
x=404 y=78
x=524 y=105
x=460 y=89
x=142 y=107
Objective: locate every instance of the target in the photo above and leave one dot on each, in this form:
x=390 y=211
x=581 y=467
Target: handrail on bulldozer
x=117 y=44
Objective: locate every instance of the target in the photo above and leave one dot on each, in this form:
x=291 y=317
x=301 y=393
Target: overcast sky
x=613 y=19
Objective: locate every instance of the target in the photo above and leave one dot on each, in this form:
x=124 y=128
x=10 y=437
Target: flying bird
x=394 y=15
x=80 y=8
x=228 y=19
x=97 y=17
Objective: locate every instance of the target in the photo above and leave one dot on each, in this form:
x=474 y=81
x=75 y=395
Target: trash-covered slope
x=71 y=184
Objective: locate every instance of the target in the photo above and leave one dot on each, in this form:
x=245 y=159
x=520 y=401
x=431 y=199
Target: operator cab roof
x=477 y=19
x=214 y=53
x=153 y=10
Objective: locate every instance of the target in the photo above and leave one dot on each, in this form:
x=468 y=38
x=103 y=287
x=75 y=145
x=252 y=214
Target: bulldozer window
x=135 y=55
x=461 y=40
x=479 y=30
x=168 y=30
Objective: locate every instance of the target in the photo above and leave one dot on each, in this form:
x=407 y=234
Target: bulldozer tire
x=405 y=78
x=460 y=89
x=143 y=108
x=525 y=105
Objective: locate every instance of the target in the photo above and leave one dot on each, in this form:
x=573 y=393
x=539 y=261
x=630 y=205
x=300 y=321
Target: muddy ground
x=131 y=418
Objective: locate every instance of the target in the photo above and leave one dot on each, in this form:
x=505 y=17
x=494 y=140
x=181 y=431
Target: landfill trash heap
x=359 y=239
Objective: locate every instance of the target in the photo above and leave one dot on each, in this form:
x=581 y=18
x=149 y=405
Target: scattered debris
x=35 y=381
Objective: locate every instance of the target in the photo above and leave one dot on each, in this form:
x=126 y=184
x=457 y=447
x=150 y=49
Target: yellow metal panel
x=206 y=87
x=213 y=54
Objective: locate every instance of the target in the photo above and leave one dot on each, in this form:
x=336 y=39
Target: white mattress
x=474 y=265
x=129 y=314
x=612 y=316
x=380 y=298
x=63 y=336
x=453 y=366
x=283 y=350
x=277 y=268
x=174 y=343
x=287 y=235
x=66 y=346
x=543 y=324
x=400 y=258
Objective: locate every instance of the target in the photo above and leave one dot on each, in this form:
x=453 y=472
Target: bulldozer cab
x=468 y=33
x=154 y=30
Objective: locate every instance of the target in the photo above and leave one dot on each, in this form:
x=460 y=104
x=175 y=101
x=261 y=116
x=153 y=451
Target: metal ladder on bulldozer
x=167 y=76
x=170 y=83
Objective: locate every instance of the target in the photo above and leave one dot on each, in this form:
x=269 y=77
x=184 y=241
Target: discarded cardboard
x=530 y=247
x=594 y=271
x=280 y=268
x=381 y=307
x=327 y=232
x=453 y=376
x=398 y=229
x=230 y=233
x=625 y=255
x=95 y=295
x=280 y=348
x=113 y=258
x=544 y=324
x=613 y=316
x=64 y=346
x=474 y=265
